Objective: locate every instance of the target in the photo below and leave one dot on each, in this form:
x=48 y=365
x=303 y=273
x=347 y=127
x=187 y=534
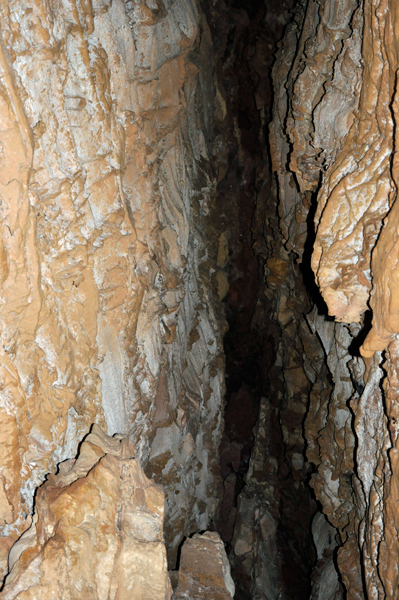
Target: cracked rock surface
x=333 y=142
x=97 y=531
x=108 y=311
x=148 y=173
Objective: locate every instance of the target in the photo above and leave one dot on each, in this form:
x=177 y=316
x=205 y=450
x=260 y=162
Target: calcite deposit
x=97 y=530
x=333 y=142
x=107 y=301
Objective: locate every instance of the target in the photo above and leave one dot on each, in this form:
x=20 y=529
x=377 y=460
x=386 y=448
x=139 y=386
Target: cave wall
x=141 y=187
x=109 y=311
x=333 y=146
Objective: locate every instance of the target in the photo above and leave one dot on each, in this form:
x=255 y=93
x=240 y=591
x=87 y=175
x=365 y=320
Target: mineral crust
x=97 y=531
x=108 y=307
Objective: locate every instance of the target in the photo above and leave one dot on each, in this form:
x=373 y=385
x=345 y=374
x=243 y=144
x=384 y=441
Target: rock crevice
x=190 y=190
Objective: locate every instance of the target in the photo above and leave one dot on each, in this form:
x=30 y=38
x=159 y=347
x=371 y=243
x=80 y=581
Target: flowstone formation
x=108 y=310
x=334 y=150
x=97 y=531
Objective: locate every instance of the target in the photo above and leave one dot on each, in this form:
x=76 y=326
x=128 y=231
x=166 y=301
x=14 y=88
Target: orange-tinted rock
x=357 y=189
x=97 y=530
x=106 y=186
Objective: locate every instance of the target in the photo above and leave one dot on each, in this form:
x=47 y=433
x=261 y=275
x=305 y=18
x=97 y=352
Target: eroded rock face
x=117 y=246
x=334 y=126
x=106 y=301
x=204 y=572
x=97 y=530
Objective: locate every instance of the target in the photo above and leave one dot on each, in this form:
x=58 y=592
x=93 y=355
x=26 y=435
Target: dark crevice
x=305 y=267
x=354 y=348
x=245 y=36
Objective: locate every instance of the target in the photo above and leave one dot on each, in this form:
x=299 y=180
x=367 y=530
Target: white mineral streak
x=106 y=310
x=336 y=84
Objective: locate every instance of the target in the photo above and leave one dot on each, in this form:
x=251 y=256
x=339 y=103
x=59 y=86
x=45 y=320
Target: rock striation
x=333 y=144
x=108 y=308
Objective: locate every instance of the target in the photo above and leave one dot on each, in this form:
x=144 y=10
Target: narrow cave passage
x=265 y=515
x=199 y=316
x=304 y=449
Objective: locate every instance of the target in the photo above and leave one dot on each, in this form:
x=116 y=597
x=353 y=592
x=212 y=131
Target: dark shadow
x=305 y=267
x=178 y=556
x=354 y=348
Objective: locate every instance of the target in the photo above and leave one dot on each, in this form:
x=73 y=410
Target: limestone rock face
x=107 y=311
x=325 y=581
x=334 y=150
x=97 y=531
x=204 y=572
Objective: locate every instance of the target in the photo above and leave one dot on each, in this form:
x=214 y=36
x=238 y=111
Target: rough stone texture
x=334 y=125
x=97 y=531
x=136 y=194
x=356 y=189
x=204 y=571
x=267 y=509
x=325 y=581
x=106 y=300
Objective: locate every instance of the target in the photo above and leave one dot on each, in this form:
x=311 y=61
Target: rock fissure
x=198 y=299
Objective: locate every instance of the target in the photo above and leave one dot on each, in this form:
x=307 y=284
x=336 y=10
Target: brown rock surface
x=357 y=189
x=204 y=572
x=135 y=196
x=334 y=124
x=107 y=312
x=97 y=530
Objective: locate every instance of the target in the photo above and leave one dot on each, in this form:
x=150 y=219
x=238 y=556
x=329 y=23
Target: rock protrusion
x=97 y=531
x=204 y=572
